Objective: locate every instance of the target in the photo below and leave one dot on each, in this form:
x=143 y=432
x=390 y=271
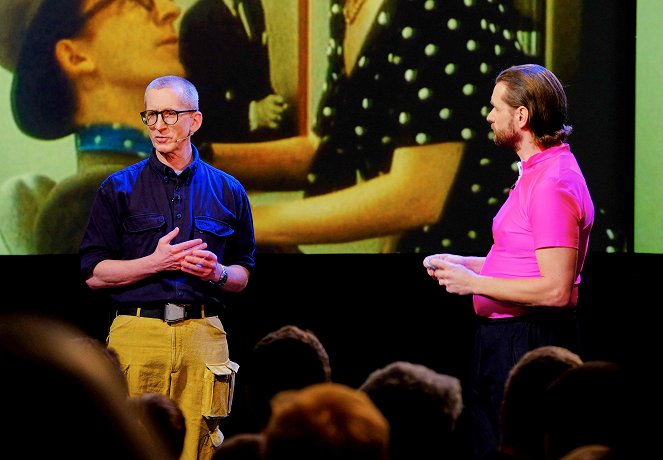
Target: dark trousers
x=498 y=345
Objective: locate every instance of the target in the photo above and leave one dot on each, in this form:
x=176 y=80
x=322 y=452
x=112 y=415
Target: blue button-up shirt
x=137 y=205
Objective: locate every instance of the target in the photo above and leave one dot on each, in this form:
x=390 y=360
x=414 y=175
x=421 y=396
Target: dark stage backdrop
x=367 y=309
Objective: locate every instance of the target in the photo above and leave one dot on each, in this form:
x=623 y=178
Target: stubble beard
x=507 y=138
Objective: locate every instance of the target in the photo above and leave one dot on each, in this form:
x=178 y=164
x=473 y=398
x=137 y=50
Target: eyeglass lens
x=169 y=117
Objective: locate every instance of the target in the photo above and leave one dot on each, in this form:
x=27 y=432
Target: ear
x=522 y=116
x=197 y=122
x=72 y=57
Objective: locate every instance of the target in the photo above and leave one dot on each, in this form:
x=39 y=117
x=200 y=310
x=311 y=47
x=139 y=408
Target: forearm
x=411 y=195
x=474 y=263
x=238 y=277
x=274 y=165
x=116 y=273
x=524 y=291
x=367 y=210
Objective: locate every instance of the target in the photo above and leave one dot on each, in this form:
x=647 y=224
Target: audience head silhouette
x=587 y=404
x=421 y=406
x=241 y=446
x=295 y=355
x=523 y=404
x=163 y=415
x=326 y=421
x=48 y=370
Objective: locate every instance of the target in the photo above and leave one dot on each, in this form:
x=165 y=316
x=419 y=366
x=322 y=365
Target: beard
x=508 y=138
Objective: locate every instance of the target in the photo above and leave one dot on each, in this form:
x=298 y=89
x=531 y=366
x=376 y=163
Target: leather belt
x=171 y=312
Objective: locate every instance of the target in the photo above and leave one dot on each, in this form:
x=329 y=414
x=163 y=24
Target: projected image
x=357 y=127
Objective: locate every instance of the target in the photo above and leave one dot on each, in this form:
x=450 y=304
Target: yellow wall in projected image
x=648 y=235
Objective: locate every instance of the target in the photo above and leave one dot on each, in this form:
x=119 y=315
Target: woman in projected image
x=400 y=154
x=79 y=67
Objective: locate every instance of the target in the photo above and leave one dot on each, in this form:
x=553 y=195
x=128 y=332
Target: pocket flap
x=142 y=222
x=213 y=226
x=224 y=369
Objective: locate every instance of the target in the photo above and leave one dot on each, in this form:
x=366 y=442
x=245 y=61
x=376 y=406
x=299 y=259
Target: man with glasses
x=79 y=67
x=168 y=237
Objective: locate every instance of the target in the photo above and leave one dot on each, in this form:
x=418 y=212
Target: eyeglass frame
x=147 y=4
x=143 y=116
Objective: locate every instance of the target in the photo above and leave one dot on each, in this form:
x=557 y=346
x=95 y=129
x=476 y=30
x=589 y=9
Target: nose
x=166 y=10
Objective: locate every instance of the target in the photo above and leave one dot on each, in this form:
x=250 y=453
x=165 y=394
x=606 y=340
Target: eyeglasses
x=170 y=117
x=147 y=4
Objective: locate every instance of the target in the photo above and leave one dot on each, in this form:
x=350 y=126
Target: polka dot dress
x=424 y=76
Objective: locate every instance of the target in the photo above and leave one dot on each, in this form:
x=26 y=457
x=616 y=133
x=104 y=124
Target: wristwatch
x=223 y=279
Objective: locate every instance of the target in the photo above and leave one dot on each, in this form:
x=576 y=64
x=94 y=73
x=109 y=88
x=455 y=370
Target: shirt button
x=178 y=215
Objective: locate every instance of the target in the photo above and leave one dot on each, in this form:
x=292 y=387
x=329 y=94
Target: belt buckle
x=173 y=313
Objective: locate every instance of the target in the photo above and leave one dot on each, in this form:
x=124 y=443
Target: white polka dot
x=450 y=68
x=97 y=139
x=336 y=8
x=383 y=18
x=492 y=201
x=472 y=234
x=498 y=50
x=484 y=67
x=359 y=130
x=452 y=24
x=407 y=32
x=311 y=178
x=327 y=111
x=469 y=89
x=445 y=113
x=410 y=75
x=128 y=143
x=476 y=188
x=422 y=138
x=484 y=161
x=467 y=133
x=472 y=45
x=446 y=242
x=362 y=61
x=429 y=5
x=404 y=118
x=424 y=93
x=431 y=49
x=366 y=103
x=386 y=140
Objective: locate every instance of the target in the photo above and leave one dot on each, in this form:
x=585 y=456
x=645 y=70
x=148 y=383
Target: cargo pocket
x=219 y=389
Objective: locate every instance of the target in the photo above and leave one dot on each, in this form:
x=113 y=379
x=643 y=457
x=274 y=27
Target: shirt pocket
x=142 y=233
x=215 y=232
x=218 y=389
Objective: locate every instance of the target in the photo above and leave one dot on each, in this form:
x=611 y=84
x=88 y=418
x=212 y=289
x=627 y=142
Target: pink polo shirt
x=550 y=206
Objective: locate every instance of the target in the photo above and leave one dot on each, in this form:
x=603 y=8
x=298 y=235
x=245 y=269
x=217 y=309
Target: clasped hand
x=449 y=271
x=188 y=256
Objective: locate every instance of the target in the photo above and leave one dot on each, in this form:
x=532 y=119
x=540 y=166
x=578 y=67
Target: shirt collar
x=167 y=173
x=544 y=155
